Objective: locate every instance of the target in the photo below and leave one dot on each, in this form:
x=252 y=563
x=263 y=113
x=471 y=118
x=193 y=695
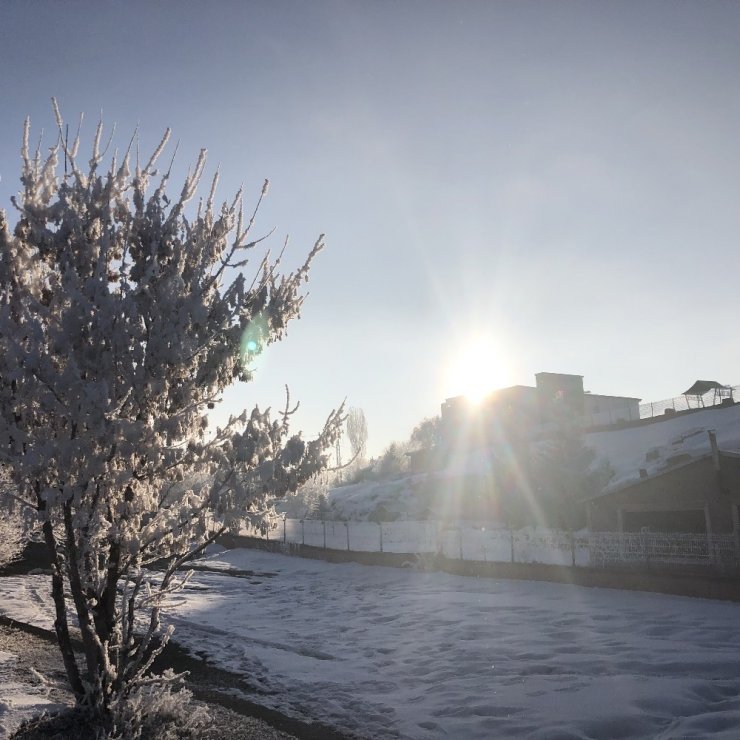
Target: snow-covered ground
x=24 y=693
x=15 y=696
x=400 y=653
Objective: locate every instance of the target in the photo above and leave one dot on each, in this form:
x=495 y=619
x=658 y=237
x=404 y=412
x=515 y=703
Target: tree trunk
x=90 y=643
x=60 y=623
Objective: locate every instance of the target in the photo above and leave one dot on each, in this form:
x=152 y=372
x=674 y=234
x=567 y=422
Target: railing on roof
x=670 y=406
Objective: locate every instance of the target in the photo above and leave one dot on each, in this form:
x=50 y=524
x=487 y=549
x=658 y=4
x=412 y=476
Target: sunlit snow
x=401 y=653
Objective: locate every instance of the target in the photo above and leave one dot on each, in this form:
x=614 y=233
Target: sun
x=477 y=368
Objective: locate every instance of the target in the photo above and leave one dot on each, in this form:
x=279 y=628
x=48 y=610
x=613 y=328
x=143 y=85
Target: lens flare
x=253 y=341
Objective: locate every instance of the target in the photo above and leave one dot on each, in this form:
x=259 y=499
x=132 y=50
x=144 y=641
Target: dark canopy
x=704 y=386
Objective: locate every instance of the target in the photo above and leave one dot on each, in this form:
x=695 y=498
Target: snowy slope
x=390 y=653
x=400 y=497
x=626 y=449
x=419 y=496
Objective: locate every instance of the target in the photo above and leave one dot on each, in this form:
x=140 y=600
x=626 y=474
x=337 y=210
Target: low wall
x=707 y=585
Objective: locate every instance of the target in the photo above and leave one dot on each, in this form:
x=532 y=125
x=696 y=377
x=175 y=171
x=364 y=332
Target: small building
x=696 y=495
x=522 y=411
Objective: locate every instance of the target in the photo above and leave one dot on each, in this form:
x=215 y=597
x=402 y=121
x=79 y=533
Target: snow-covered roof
x=650 y=446
x=629 y=482
x=606 y=395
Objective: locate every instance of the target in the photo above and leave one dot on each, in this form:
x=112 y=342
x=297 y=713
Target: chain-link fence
x=668 y=406
x=501 y=545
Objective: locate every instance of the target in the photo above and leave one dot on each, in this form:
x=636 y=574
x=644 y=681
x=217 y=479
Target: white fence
x=496 y=544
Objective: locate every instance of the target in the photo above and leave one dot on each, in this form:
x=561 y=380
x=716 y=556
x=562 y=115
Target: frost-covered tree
x=11 y=538
x=357 y=433
x=300 y=504
x=124 y=313
x=13 y=527
x=566 y=473
x=427 y=434
x=393 y=461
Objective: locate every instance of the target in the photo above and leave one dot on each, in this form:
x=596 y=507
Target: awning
x=704 y=386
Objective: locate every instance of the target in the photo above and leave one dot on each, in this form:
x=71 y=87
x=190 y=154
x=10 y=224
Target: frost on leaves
x=122 y=319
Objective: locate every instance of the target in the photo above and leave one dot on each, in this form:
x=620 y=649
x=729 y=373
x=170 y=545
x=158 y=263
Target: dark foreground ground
x=234 y=717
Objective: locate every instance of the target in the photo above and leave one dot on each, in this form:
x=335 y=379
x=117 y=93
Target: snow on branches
x=123 y=316
x=14 y=530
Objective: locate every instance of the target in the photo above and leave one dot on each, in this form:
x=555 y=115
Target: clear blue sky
x=560 y=179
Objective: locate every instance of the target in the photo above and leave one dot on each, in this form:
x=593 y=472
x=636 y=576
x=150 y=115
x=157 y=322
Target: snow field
x=387 y=653
x=20 y=699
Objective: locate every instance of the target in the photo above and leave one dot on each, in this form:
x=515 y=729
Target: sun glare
x=478 y=368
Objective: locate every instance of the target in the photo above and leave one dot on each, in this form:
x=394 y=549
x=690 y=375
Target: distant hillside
x=459 y=491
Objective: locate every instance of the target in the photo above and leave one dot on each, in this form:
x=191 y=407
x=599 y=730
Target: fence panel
x=612 y=548
x=548 y=546
x=364 y=536
x=409 y=536
x=293 y=531
x=313 y=532
x=449 y=541
x=485 y=544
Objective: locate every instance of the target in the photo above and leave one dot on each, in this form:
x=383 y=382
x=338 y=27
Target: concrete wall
x=606 y=410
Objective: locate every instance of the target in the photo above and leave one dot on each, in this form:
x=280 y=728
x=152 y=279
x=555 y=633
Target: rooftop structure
x=522 y=411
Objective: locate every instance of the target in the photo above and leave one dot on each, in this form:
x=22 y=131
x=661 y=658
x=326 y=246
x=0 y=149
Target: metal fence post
x=285 y=533
x=323 y=523
x=511 y=539
x=645 y=550
x=460 y=536
x=346 y=524
x=572 y=548
x=380 y=526
x=303 y=532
